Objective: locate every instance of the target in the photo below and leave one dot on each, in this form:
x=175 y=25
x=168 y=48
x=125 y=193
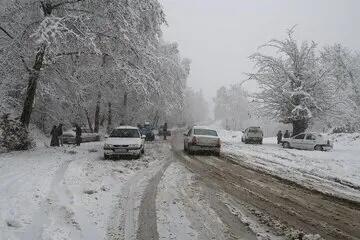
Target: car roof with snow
x=203 y=127
x=126 y=127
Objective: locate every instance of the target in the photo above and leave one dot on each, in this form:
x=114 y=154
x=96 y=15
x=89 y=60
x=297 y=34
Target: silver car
x=202 y=139
x=252 y=135
x=308 y=141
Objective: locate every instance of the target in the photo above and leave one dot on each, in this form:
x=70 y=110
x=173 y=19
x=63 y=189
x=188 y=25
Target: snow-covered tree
x=296 y=87
x=345 y=69
x=232 y=107
x=58 y=56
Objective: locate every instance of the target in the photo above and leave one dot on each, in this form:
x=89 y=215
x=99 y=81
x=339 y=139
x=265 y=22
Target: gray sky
x=219 y=35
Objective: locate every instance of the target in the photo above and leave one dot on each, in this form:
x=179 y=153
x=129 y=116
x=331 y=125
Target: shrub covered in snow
x=13 y=135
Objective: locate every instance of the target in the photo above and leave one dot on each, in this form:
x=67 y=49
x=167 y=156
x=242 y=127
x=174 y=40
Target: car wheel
x=286 y=145
x=318 y=148
x=261 y=142
x=142 y=150
x=191 y=152
x=106 y=157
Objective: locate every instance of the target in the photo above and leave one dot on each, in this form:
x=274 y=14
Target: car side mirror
x=143 y=136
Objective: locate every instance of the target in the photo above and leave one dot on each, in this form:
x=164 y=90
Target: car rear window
x=125 y=133
x=255 y=130
x=205 y=132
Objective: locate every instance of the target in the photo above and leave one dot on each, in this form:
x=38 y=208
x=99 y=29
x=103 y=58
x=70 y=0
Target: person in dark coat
x=78 y=134
x=165 y=128
x=54 y=137
x=286 y=134
x=60 y=133
x=279 y=137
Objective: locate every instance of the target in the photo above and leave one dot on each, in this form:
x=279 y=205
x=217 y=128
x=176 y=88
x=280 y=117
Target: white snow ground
x=62 y=193
x=336 y=172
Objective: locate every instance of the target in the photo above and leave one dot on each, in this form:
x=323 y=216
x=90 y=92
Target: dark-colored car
x=86 y=136
x=148 y=133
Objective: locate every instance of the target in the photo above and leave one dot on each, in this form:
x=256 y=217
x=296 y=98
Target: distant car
x=148 y=133
x=202 y=139
x=124 y=141
x=68 y=136
x=308 y=141
x=252 y=135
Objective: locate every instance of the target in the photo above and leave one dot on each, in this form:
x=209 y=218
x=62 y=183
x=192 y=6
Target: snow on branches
x=296 y=87
x=82 y=49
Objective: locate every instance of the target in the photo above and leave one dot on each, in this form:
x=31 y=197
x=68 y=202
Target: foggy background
x=219 y=36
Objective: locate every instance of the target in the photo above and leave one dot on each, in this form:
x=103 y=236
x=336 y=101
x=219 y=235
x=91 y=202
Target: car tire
x=106 y=157
x=318 y=148
x=191 y=152
x=286 y=145
x=261 y=142
x=143 y=151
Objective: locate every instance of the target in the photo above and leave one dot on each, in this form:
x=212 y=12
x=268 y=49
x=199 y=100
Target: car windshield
x=254 y=130
x=205 y=132
x=125 y=133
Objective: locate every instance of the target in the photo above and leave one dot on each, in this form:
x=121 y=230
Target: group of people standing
x=280 y=136
x=57 y=135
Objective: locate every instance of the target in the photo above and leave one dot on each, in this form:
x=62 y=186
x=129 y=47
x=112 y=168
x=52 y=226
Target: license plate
x=120 y=150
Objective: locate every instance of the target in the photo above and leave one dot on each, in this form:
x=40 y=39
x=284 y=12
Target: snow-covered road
x=72 y=193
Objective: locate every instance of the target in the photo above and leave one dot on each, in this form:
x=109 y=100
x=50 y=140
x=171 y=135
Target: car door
x=298 y=141
x=310 y=141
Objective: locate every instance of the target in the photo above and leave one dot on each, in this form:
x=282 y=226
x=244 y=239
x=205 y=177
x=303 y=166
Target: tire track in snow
x=147 y=216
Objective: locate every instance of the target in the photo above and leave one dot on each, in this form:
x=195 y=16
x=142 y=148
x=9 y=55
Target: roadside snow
x=61 y=193
x=336 y=172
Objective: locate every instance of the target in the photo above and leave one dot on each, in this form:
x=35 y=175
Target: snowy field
x=336 y=172
x=64 y=193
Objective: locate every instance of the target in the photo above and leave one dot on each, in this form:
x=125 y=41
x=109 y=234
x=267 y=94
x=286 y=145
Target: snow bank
x=336 y=172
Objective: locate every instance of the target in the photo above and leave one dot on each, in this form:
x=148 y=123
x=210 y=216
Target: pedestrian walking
x=78 y=135
x=165 y=128
x=286 y=134
x=60 y=134
x=279 y=137
x=54 y=137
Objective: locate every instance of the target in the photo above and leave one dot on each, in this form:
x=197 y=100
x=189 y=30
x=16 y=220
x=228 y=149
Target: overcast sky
x=219 y=35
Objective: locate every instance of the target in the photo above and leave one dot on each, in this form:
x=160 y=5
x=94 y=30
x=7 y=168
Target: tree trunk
x=31 y=88
x=88 y=120
x=97 y=114
x=103 y=118
x=109 y=126
x=125 y=105
x=299 y=126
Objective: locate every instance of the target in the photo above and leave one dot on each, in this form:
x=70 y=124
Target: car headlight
x=107 y=146
x=134 y=145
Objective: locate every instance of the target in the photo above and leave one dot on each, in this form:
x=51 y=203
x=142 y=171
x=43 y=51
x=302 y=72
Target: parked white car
x=202 y=139
x=124 y=140
x=308 y=141
x=252 y=135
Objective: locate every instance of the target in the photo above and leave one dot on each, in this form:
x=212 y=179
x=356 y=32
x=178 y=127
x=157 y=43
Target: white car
x=308 y=141
x=252 y=135
x=202 y=139
x=124 y=140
